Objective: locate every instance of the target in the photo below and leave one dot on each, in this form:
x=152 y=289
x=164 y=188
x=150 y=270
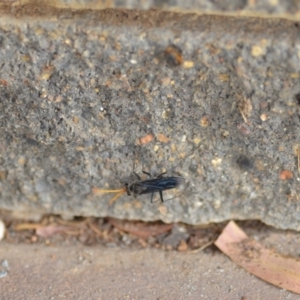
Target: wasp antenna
x=111 y=201
x=177 y=196
x=98 y=191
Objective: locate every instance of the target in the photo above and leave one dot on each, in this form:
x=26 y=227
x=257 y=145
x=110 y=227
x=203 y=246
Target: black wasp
x=140 y=186
x=153 y=185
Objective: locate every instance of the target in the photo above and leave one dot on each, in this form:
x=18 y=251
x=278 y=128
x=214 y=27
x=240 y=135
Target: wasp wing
x=148 y=186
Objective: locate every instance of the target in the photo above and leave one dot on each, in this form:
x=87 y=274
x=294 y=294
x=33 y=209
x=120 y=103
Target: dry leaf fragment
x=183 y=246
x=262 y=262
x=245 y=107
x=173 y=55
x=48 y=231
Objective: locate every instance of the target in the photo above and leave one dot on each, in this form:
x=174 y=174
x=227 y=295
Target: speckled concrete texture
x=85 y=96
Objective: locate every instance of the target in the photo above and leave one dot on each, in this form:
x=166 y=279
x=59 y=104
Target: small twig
x=27 y=226
x=95 y=229
x=202 y=247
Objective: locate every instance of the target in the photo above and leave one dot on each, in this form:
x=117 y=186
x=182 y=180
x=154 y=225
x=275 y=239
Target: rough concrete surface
x=40 y=272
x=85 y=95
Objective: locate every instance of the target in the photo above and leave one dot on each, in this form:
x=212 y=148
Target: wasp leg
x=152 y=197
x=161 y=196
x=111 y=201
x=139 y=178
x=127 y=189
x=160 y=175
x=147 y=173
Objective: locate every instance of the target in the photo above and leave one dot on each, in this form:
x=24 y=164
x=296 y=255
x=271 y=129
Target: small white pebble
x=133 y=61
x=263 y=117
x=5 y=264
x=216 y=161
x=2 y=230
x=3 y=274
